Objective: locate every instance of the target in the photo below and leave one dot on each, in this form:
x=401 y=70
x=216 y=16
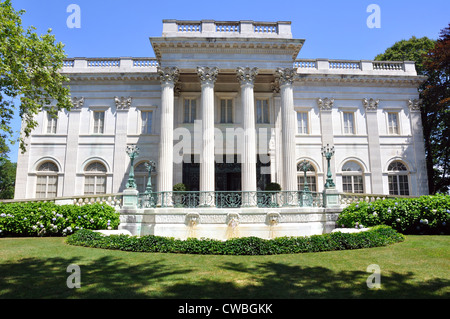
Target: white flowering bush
x=421 y=215
x=49 y=219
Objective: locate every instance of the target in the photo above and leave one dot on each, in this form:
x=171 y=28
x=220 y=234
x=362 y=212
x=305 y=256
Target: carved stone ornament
x=275 y=86
x=325 y=104
x=168 y=75
x=122 y=103
x=77 y=102
x=207 y=75
x=370 y=104
x=285 y=75
x=414 y=105
x=246 y=75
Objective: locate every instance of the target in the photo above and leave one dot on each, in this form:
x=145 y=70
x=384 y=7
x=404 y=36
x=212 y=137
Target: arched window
x=95 y=179
x=311 y=177
x=398 y=179
x=352 y=178
x=47 y=180
x=141 y=177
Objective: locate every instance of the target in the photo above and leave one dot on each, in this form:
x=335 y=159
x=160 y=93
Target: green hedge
x=49 y=219
x=374 y=237
x=422 y=215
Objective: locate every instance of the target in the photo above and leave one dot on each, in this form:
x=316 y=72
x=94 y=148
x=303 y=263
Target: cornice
x=410 y=81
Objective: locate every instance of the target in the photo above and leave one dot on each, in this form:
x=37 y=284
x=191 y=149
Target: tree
x=7 y=178
x=430 y=57
x=408 y=50
x=29 y=73
x=435 y=94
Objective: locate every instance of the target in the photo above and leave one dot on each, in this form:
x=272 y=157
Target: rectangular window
x=226 y=111
x=190 y=110
x=51 y=124
x=262 y=112
x=46 y=186
x=403 y=185
x=347 y=184
x=302 y=122
x=349 y=127
x=99 y=122
x=393 y=123
x=146 y=122
x=310 y=180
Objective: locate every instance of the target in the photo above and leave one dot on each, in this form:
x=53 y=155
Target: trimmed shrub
x=374 y=237
x=49 y=219
x=423 y=215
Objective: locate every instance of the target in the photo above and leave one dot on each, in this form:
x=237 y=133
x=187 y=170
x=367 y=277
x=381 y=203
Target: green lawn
x=36 y=268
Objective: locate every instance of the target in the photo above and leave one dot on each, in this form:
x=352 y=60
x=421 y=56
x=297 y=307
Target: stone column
x=168 y=78
x=419 y=148
x=246 y=77
x=123 y=105
x=288 y=127
x=73 y=133
x=373 y=138
x=208 y=77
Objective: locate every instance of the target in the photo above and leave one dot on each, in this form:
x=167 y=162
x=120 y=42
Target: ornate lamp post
x=133 y=152
x=151 y=165
x=307 y=199
x=328 y=152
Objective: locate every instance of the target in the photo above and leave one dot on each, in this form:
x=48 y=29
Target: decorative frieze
x=246 y=75
x=370 y=104
x=414 y=105
x=325 y=104
x=168 y=75
x=207 y=75
x=122 y=103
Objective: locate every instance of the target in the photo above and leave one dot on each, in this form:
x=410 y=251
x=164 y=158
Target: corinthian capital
x=77 y=102
x=122 y=103
x=246 y=75
x=207 y=75
x=168 y=75
x=325 y=104
x=414 y=105
x=285 y=75
x=370 y=104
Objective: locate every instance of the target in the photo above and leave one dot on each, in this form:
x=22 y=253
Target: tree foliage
x=29 y=73
x=7 y=178
x=432 y=59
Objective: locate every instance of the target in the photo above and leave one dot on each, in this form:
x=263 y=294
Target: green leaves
x=29 y=71
x=402 y=214
x=377 y=236
x=49 y=219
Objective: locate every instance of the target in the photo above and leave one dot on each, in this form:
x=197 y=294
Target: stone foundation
x=224 y=224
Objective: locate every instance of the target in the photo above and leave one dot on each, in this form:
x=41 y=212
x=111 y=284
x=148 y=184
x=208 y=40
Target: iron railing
x=230 y=199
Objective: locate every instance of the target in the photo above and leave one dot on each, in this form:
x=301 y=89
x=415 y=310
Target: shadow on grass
x=111 y=277
x=105 y=277
x=279 y=281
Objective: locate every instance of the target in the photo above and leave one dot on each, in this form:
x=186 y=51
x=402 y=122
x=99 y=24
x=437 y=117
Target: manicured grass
x=37 y=268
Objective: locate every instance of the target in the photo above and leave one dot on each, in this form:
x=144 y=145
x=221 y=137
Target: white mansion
x=227 y=106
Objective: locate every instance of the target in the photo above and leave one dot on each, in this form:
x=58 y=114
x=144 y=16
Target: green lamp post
x=328 y=152
x=133 y=152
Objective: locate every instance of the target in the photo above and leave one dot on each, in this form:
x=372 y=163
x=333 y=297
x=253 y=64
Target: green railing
x=231 y=199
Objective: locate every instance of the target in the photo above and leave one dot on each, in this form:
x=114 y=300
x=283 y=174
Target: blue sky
x=332 y=29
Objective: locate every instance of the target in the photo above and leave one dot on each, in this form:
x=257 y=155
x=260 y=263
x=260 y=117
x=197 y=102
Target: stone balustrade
x=114 y=200
x=321 y=66
x=212 y=28
x=101 y=65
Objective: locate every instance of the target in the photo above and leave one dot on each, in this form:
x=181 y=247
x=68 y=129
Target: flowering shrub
x=422 y=215
x=49 y=219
